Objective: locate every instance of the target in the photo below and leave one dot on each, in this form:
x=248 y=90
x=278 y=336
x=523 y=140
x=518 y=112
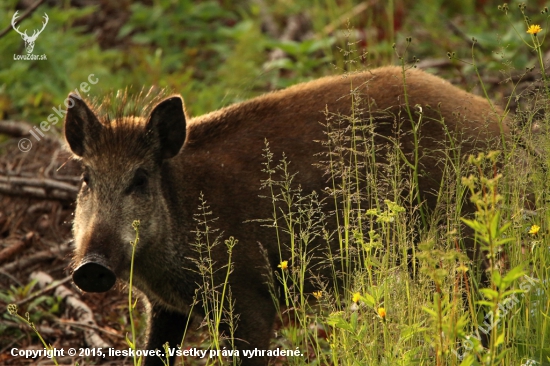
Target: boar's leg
x=164 y=326
x=254 y=325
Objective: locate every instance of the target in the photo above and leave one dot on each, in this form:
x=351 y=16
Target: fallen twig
x=469 y=40
x=15 y=128
x=81 y=325
x=62 y=178
x=15 y=340
x=82 y=311
x=37 y=193
x=43 y=188
x=29 y=11
x=44 y=183
x=44 y=255
x=44 y=290
x=17 y=247
x=15 y=280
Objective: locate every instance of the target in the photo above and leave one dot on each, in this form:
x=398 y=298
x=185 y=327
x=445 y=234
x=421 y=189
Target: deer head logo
x=29 y=40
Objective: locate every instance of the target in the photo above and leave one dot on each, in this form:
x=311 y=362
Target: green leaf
x=513 y=275
x=474 y=224
x=129 y=342
x=354 y=317
x=511 y=292
x=499 y=340
x=336 y=320
x=429 y=311
x=504 y=227
x=368 y=299
x=468 y=360
x=489 y=293
x=493 y=225
x=410 y=331
x=503 y=241
x=496 y=278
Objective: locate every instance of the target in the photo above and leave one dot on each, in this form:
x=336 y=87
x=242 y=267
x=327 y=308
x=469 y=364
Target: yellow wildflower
x=318 y=294
x=283 y=265
x=534 y=230
x=534 y=29
x=356 y=297
x=462 y=268
x=382 y=313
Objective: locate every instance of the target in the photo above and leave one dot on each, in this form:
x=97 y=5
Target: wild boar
x=153 y=164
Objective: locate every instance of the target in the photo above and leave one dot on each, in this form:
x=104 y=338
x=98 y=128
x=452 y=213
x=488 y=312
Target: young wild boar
x=153 y=164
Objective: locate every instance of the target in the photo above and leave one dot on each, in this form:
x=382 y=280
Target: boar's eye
x=85 y=181
x=139 y=182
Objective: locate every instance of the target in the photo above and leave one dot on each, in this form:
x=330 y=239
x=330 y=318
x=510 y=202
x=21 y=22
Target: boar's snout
x=92 y=276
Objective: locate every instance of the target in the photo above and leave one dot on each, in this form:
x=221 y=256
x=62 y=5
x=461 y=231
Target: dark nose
x=94 y=277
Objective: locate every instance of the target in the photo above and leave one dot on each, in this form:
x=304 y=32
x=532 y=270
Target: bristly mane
x=117 y=106
x=123 y=114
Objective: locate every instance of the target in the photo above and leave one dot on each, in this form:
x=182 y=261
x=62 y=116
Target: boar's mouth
x=92 y=275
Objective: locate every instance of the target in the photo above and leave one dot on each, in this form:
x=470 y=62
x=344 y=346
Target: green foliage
x=42 y=306
x=13 y=309
x=131 y=303
x=216 y=53
x=36 y=86
x=215 y=298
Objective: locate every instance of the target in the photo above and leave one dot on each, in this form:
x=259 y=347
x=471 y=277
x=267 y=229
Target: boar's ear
x=79 y=122
x=168 y=120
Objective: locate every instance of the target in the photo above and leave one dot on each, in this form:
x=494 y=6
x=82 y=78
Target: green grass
x=381 y=315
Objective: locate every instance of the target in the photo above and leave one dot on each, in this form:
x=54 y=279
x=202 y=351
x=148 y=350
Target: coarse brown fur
x=133 y=171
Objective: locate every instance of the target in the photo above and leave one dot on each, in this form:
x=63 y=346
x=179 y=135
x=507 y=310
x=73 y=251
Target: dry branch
x=61 y=178
x=80 y=325
x=42 y=188
x=15 y=248
x=44 y=183
x=14 y=280
x=82 y=311
x=29 y=11
x=469 y=40
x=43 y=255
x=15 y=128
x=44 y=290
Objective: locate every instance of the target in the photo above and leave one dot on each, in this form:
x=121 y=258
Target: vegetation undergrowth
x=215 y=297
x=379 y=315
x=13 y=311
